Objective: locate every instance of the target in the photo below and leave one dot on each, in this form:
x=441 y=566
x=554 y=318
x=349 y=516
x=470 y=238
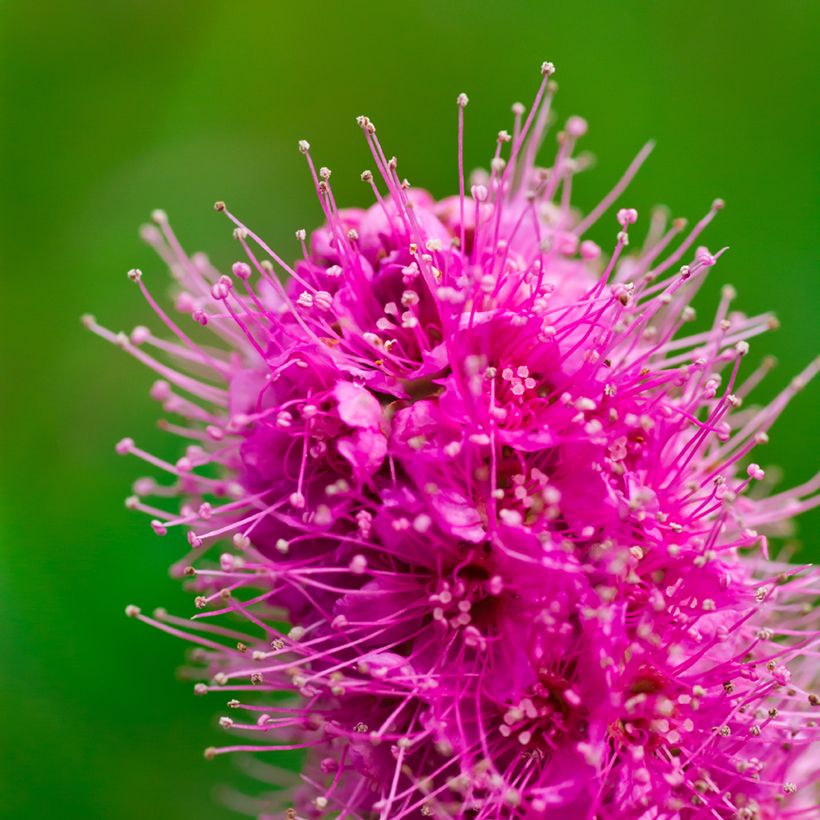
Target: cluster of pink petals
x=480 y=509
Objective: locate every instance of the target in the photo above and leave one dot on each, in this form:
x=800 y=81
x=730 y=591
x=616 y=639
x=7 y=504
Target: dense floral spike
x=486 y=506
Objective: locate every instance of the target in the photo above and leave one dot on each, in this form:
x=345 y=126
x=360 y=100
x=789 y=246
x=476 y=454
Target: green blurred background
x=110 y=109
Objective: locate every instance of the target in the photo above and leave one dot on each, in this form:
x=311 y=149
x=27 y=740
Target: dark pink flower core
x=485 y=506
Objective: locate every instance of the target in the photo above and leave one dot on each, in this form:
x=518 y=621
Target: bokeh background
x=112 y=108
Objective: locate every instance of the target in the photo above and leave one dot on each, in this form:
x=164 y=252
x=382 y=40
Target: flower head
x=486 y=506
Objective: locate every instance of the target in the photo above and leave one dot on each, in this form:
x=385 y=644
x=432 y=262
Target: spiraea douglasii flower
x=470 y=493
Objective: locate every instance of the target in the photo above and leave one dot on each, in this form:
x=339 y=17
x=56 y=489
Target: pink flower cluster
x=490 y=544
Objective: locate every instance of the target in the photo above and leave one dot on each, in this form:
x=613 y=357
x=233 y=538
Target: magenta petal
x=365 y=450
x=357 y=406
